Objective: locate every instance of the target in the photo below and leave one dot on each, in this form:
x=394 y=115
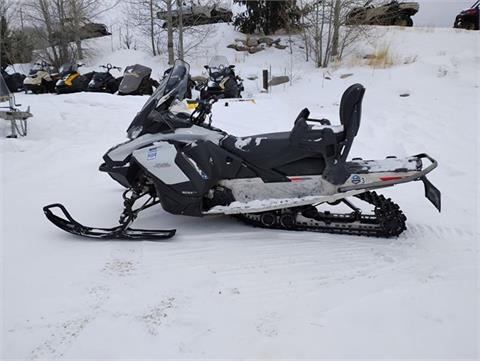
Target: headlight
x=134 y=132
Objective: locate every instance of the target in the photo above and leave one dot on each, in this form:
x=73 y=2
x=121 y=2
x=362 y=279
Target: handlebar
x=110 y=67
x=203 y=109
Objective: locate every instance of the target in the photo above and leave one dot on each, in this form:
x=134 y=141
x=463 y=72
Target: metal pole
x=265 y=79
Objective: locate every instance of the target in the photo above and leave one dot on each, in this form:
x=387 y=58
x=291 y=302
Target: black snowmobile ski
x=122 y=231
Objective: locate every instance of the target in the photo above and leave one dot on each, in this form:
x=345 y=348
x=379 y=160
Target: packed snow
x=219 y=288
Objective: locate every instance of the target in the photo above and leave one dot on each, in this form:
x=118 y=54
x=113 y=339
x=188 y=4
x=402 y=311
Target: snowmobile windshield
x=36 y=68
x=174 y=85
x=68 y=68
x=218 y=62
x=217 y=67
x=133 y=77
x=4 y=92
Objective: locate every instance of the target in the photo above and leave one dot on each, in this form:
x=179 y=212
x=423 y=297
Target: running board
x=370 y=175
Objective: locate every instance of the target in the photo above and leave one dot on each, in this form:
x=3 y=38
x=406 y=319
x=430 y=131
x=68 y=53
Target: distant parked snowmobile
x=469 y=18
x=71 y=81
x=136 y=81
x=104 y=82
x=197 y=15
x=222 y=81
x=391 y=13
x=179 y=160
x=40 y=79
x=13 y=81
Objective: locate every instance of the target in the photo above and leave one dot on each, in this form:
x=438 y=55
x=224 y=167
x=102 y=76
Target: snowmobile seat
x=322 y=146
x=297 y=152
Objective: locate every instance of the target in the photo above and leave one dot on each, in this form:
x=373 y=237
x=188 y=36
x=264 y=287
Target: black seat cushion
x=264 y=150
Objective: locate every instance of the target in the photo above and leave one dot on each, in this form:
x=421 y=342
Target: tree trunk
x=336 y=27
x=180 y=29
x=171 y=55
x=152 y=28
x=76 y=28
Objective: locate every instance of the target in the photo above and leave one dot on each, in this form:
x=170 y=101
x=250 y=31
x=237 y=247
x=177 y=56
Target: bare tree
x=325 y=32
x=59 y=24
x=141 y=14
x=163 y=22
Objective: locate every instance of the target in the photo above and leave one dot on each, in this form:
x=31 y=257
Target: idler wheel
x=268 y=219
x=287 y=220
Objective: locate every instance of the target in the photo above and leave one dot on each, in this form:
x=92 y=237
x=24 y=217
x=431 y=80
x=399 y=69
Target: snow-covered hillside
x=221 y=289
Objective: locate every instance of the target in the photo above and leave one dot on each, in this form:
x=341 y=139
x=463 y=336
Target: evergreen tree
x=263 y=16
x=5 y=44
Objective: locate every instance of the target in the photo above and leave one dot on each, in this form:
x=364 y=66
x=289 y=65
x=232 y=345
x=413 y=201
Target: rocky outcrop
x=254 y=45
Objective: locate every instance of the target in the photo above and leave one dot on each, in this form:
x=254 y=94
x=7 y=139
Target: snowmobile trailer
x=280 y=181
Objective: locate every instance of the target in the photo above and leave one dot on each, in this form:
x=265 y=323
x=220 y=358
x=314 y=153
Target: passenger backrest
x=351 y=110
x=336 y=171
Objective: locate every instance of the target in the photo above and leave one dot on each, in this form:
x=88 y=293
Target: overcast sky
x=439 y=13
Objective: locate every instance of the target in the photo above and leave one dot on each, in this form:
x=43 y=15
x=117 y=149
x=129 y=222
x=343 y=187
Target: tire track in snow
x=64 y=334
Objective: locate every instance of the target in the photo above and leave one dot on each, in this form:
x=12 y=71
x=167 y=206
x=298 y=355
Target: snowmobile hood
x=132 y=78
x=173 y=86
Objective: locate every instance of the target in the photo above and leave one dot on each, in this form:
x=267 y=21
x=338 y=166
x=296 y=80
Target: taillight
x=470 y=12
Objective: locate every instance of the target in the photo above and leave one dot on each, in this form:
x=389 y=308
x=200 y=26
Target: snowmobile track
x=387 y=221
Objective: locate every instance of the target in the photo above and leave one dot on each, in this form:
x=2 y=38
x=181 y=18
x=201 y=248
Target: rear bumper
x=431 y=192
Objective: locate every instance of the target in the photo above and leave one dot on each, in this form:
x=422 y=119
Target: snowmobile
x=40 y=79
x=391 y=13
x=104 y=82
x=136 y=81
x=14 y=81
x=176 y=158
x=196 y=15
x=222 y=81
x=71 y=81
x=469 y=19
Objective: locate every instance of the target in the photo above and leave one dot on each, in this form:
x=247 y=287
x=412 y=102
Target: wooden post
x=265 y=79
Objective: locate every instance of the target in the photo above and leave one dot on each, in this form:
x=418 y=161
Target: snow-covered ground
x=221 y=289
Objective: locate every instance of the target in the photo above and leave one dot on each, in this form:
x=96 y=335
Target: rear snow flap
x=432 y=193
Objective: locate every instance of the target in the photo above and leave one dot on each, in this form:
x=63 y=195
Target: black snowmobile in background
x=190 y=83
x=105 y=82
x=13 y=81
x=71 y=81
x=41 y=78
x=176 y=158
x=137 y=81
x=222 y=81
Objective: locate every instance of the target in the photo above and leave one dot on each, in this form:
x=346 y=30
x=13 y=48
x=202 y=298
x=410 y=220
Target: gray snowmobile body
x=197 y=169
